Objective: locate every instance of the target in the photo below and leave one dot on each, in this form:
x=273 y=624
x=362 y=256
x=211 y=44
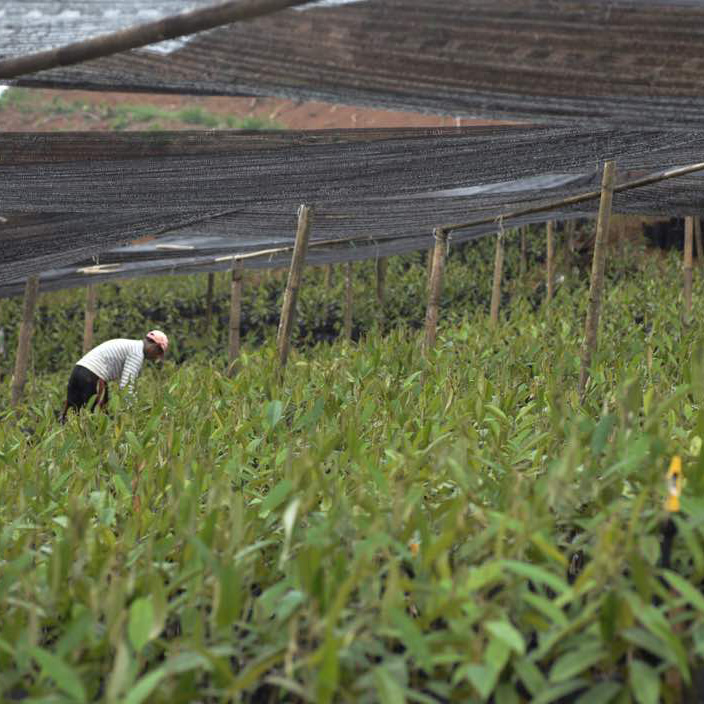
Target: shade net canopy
x=632 y=61
x=66 y=197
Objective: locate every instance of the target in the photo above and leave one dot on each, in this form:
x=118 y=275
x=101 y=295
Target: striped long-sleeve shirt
x=116 y=359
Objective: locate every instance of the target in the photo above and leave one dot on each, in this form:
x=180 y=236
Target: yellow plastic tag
x=674 y=485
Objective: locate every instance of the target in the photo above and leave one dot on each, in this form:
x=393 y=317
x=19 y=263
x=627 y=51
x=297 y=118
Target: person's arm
x=131 y=369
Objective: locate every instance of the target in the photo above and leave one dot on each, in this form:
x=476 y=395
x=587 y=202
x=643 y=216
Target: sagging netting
x=633 y=61
x=70 y=196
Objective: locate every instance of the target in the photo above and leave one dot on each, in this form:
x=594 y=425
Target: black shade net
x=626 y=61
x=69 y=196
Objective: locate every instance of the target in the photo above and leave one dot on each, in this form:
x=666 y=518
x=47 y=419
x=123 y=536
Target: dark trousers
x=83 y=385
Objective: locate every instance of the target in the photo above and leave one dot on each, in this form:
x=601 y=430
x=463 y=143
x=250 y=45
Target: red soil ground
x=290 y=114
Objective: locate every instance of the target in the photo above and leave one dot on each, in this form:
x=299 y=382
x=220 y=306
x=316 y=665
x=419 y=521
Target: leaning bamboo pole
x=498 y=272
x=172 y=27
x=288 y=309
x=432 y=312
x=596 y=287
x=89 y=317
x=687 y=266
x=580 y=198
x=235 y=314
x=348 y=300
x=19 y=379
x=550 y=263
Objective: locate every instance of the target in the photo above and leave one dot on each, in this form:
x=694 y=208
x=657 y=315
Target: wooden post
x=348 y=300
x=235 y=313
x=550 y=262
x=698 y=240
x=498 y=270
x=89 y=317
x=328 y=276
x=688 y=246
x=209 y=302
x=596 y=287
x=431 y=315
x=524 y=250
x=429 y=263
x=288 y=309
x=19 y=379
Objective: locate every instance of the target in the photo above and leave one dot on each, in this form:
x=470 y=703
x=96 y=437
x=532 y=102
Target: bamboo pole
x=498 y=271
x=550 y=264
x=328 y=276
x=687 y=267
x=31 y=293
x=89 y=317
x=141 y=35
x=431 y=315
x=209 y=302
x=581 y=198
x=698 y=240
x=524 y=250
x=596 y=287
x=288 y=309
x=235 y=313
x=348 y=300
x=429 y=264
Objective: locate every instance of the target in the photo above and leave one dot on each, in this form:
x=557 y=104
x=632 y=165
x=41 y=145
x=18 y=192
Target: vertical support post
x=209 y=302
x=698 y=240
x=288 y=309
x=19 y=378
x=235 y=314
x=89 y=317
x=596 y=286
x=498 y=271
x=348 y=300
x=524 y=250
x=550 y=260
x=431 y=315
x=429 y=263
x=687 y=267
x=328 y=276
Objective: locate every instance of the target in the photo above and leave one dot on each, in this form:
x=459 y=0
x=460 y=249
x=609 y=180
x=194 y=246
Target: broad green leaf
x=574 y=663
x=140 y=623
x=601 y=693
x=538 y=574
x=388 y=689
x=644 y=681
x=65 y=677
x=692 y=595
x=508 y=635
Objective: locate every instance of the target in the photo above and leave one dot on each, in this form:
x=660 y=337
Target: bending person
x=115 y=359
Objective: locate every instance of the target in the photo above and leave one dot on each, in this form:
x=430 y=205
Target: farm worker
x=115 y=359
